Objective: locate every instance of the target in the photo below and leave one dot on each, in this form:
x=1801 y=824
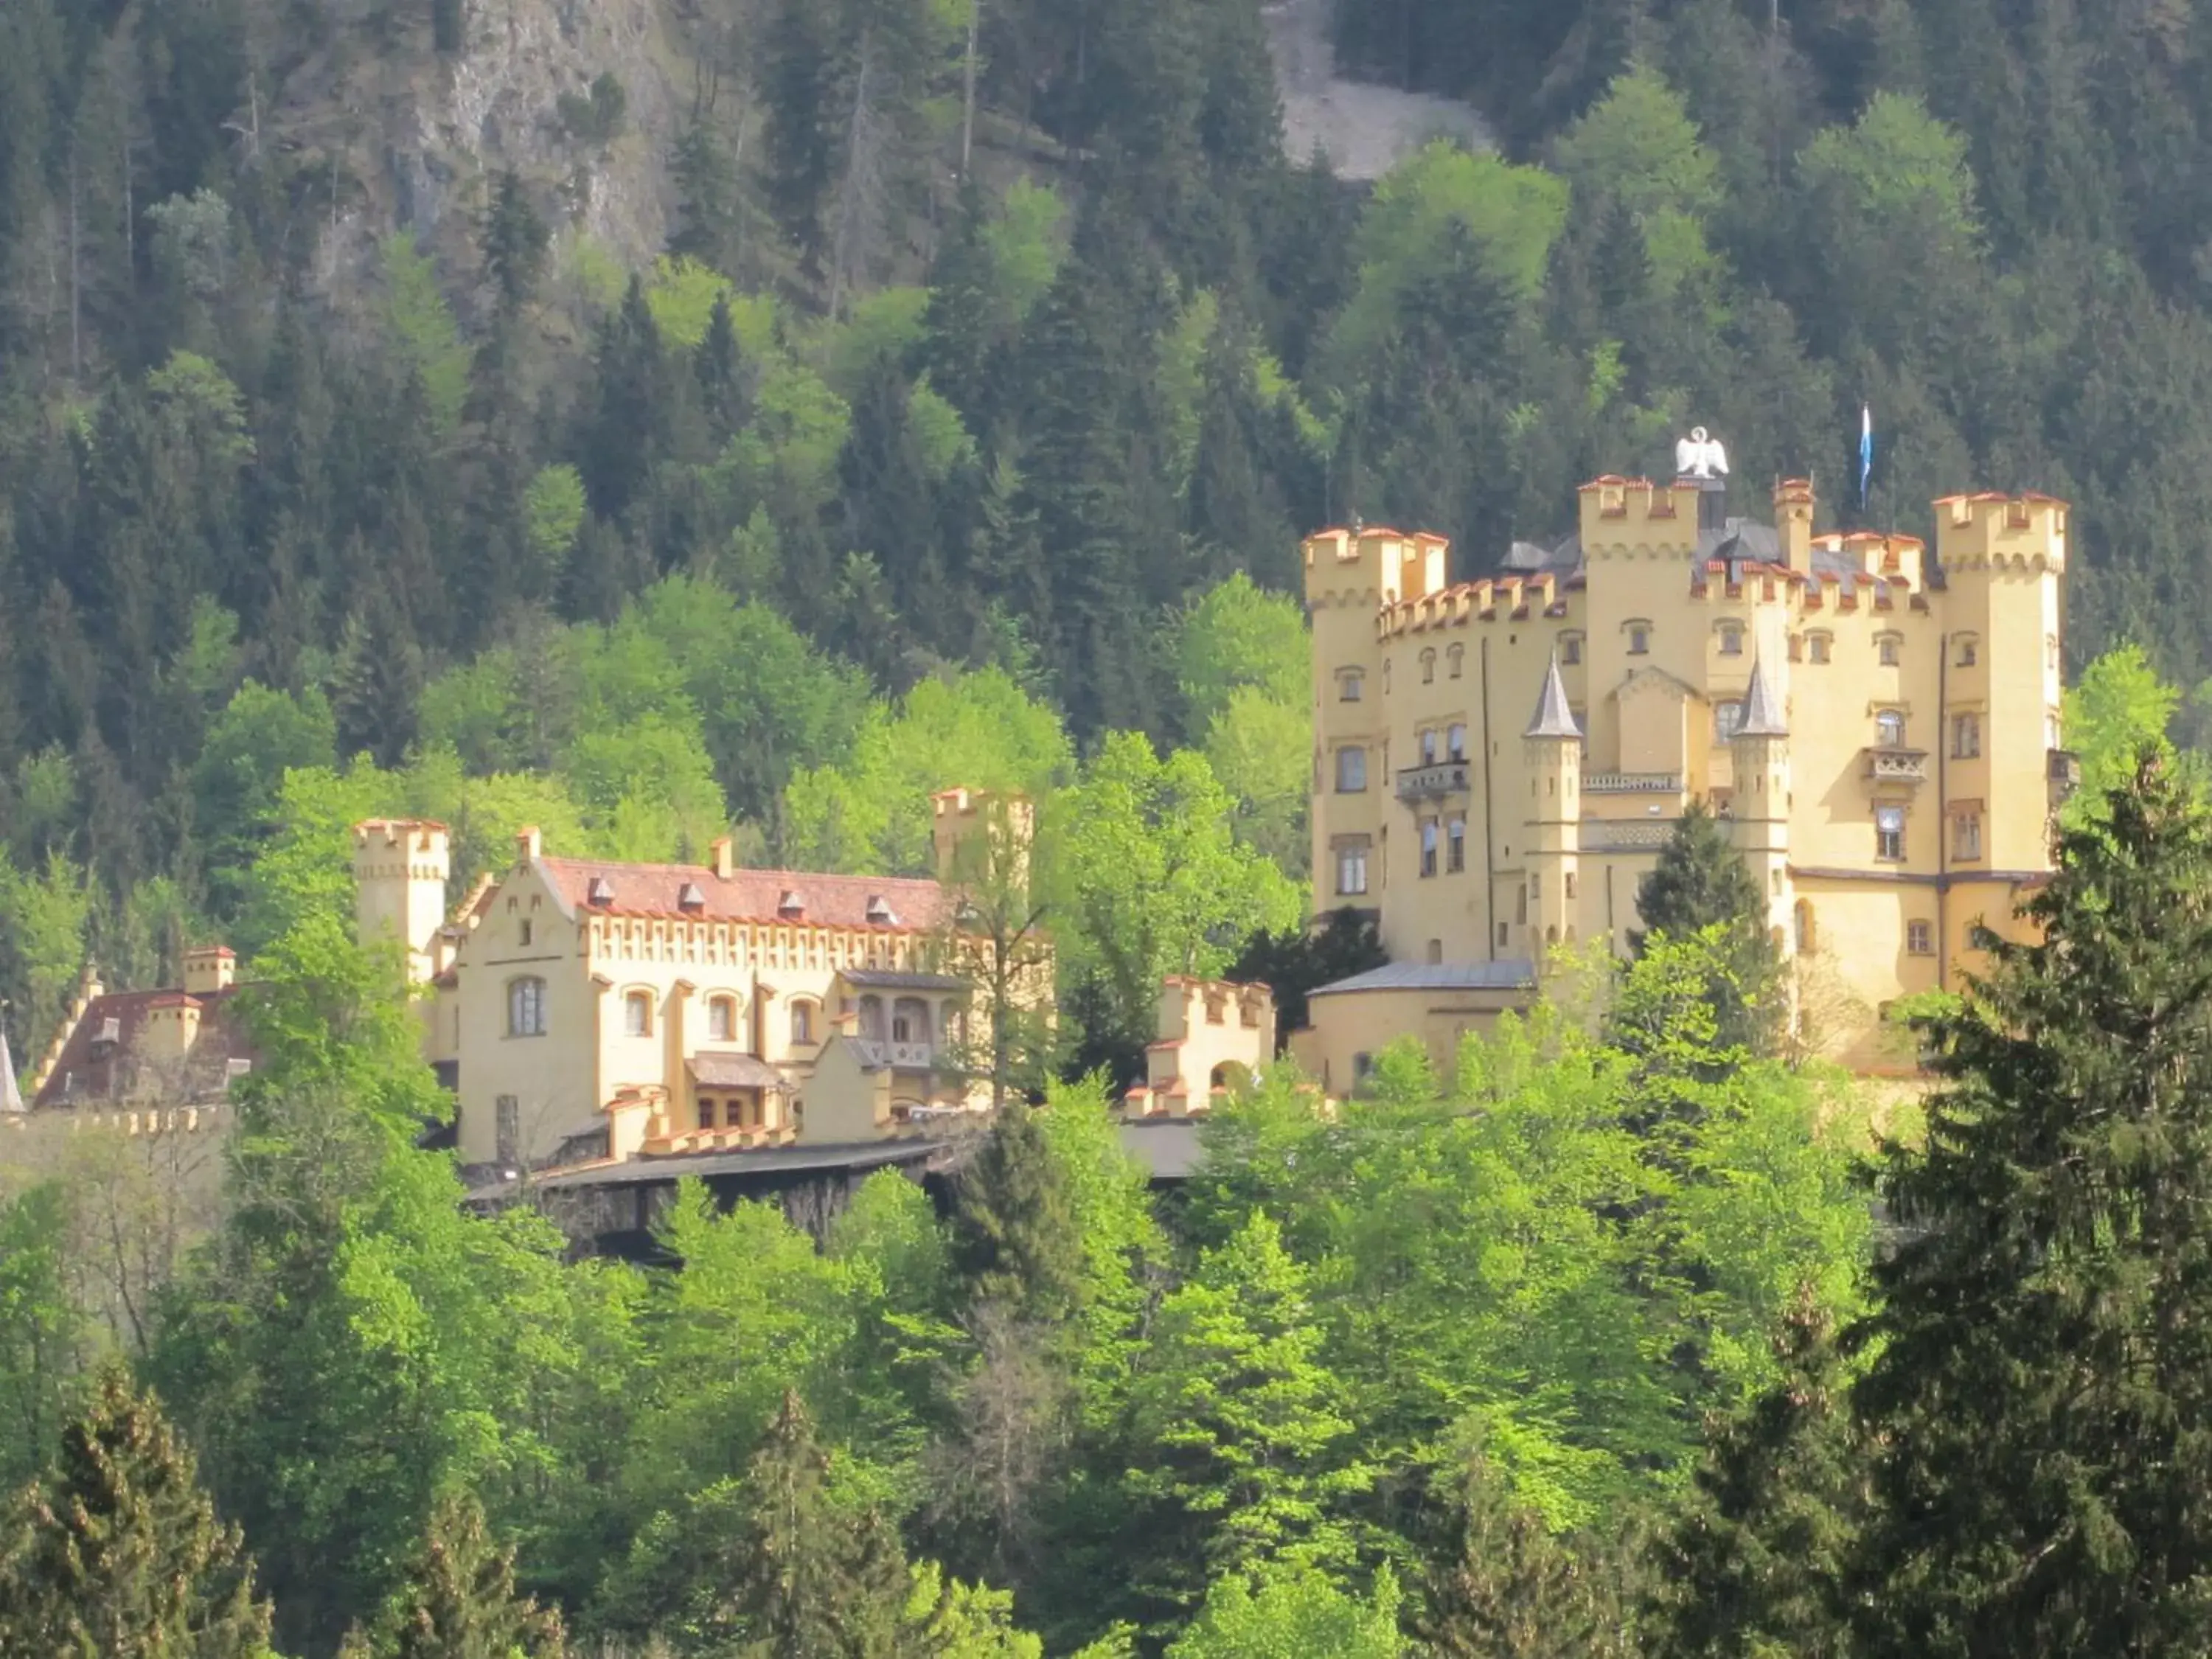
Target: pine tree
x=1509 y=1591
x=810 y=1580
x=459 y=1600
x=515 y=240
x=2041 y=1369
x=1754 y=1564
x=1244 y=1453
x=1014 y=1237
x=116 y=1552
x=1700 y=881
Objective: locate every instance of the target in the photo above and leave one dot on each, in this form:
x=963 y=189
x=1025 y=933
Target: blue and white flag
x=1866 y=450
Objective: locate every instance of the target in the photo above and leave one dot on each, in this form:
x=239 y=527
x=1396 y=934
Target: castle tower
x=1349 y=574
x=1761 y=804
x=2004 y=561
x=958 y=816
x=399 y=871
x=1551 y=748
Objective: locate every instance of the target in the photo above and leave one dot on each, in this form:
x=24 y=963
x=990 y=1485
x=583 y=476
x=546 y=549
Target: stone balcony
x=1885 y=764
x=899 y=1056
x=1433 y=782
x=1632 y=783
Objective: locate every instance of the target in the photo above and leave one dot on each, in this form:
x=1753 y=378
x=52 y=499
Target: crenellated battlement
x=1372 y=565
x=2024 y=534
x=1635 y=515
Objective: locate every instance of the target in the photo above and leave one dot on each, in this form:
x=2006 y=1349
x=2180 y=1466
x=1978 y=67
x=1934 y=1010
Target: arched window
x=1429 y=666
x=722 y=1019
x=872 y=1018
x=1808 y=938
x=1455 y=742
x=525 y=1007
x=802 y=1024
x=1454 y=660
x=1429 y=745
x=909 y=1020
x=637 y=1013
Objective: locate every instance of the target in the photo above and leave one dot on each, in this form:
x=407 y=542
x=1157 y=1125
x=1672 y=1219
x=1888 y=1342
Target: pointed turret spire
x=1762 y=709
x=11 y=1099
x=1553 y=718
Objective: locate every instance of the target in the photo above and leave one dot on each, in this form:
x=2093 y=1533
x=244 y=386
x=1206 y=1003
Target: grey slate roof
x=1763 y=715
x=1553 y=718
x=1508 y=975
x=1738 y=541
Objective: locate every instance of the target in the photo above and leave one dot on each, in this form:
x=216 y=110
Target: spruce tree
x=1014 y=1235
x=116 y=1552
x=2041 y=1382
x=1754 y=1565
x=810 y=1580
x=458 y=1601
x=1700 y=881
x=1507 y=1589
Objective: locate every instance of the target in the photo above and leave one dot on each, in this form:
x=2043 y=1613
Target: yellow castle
x=593 y=1012
x=1499 y=762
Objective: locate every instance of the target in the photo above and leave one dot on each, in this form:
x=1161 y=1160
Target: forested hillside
x=348 y=389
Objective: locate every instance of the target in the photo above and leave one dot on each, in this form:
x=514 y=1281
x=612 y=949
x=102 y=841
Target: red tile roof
x=91 y=1073
x=653 y=890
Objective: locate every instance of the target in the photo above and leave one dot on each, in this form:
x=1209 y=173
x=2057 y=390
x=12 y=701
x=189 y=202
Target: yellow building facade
x=583 y=1010
x=1499 y=762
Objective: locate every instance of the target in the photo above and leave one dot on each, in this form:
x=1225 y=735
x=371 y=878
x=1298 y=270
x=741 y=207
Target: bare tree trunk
x=853 y=207
x=968 y=87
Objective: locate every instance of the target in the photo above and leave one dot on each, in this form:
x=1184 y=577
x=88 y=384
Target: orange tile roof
x=827 y=900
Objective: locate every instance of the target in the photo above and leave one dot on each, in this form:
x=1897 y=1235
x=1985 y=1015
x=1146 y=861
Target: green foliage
x=459 y=1600
x=2035 y=1347
x=1239 y=637
x=1509 y=1588
x=1698 y=882
x=2116 y=708
x=423 y=333
x=44 y=1335
x=1013 y=1230
x=116 y=1551
x=1296 y=1611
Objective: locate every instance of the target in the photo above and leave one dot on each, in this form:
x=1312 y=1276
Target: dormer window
x=880 y=914
x=792 y=905
x=111 y=1033
x=690 y=898
x=601 y=891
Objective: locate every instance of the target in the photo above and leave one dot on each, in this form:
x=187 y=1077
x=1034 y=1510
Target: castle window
x=525 y=1007
x=1731 y=635
x=1920 y=938
x=1455 y=845
x=1888 y=649
x=1966 y=835
x=1809 y=937
x=1889 y=729
x=1639 y=639
x=522 y=933
x=1889 y=834
x=1816 y=647
x=1570 y=649
x=707 y=1112
x=1351 y=769
x=1455 y=743
x=1570 y=883
x=1429 y=666
x=1454 y=660
x=1502 y=936
x=1352 y=866
x=1520 y=904
x=1966 y=737
x=1429 y=746
x=2050 y=653
x=637 y=1014
x=802 y=1024
x=1428 y=846
x=909 y=1020
x=1436 y=952
x=1967 y=651
x=1728 y=719
x=722 y=1020
x=1350 y=684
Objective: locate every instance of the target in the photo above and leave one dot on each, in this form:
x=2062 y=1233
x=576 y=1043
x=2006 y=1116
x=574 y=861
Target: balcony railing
x=1625 y=835
x=899 y=1056
x=1632 y=783
x=1888 y=765
x=1436 y=779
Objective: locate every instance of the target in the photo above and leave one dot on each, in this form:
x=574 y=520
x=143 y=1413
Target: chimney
x=1793 y=523
x=208 y=968
x=722 y=855
x=528 y=843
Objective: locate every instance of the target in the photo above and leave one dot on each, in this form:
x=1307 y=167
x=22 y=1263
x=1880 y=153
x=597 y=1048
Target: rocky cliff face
x=413 y=136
